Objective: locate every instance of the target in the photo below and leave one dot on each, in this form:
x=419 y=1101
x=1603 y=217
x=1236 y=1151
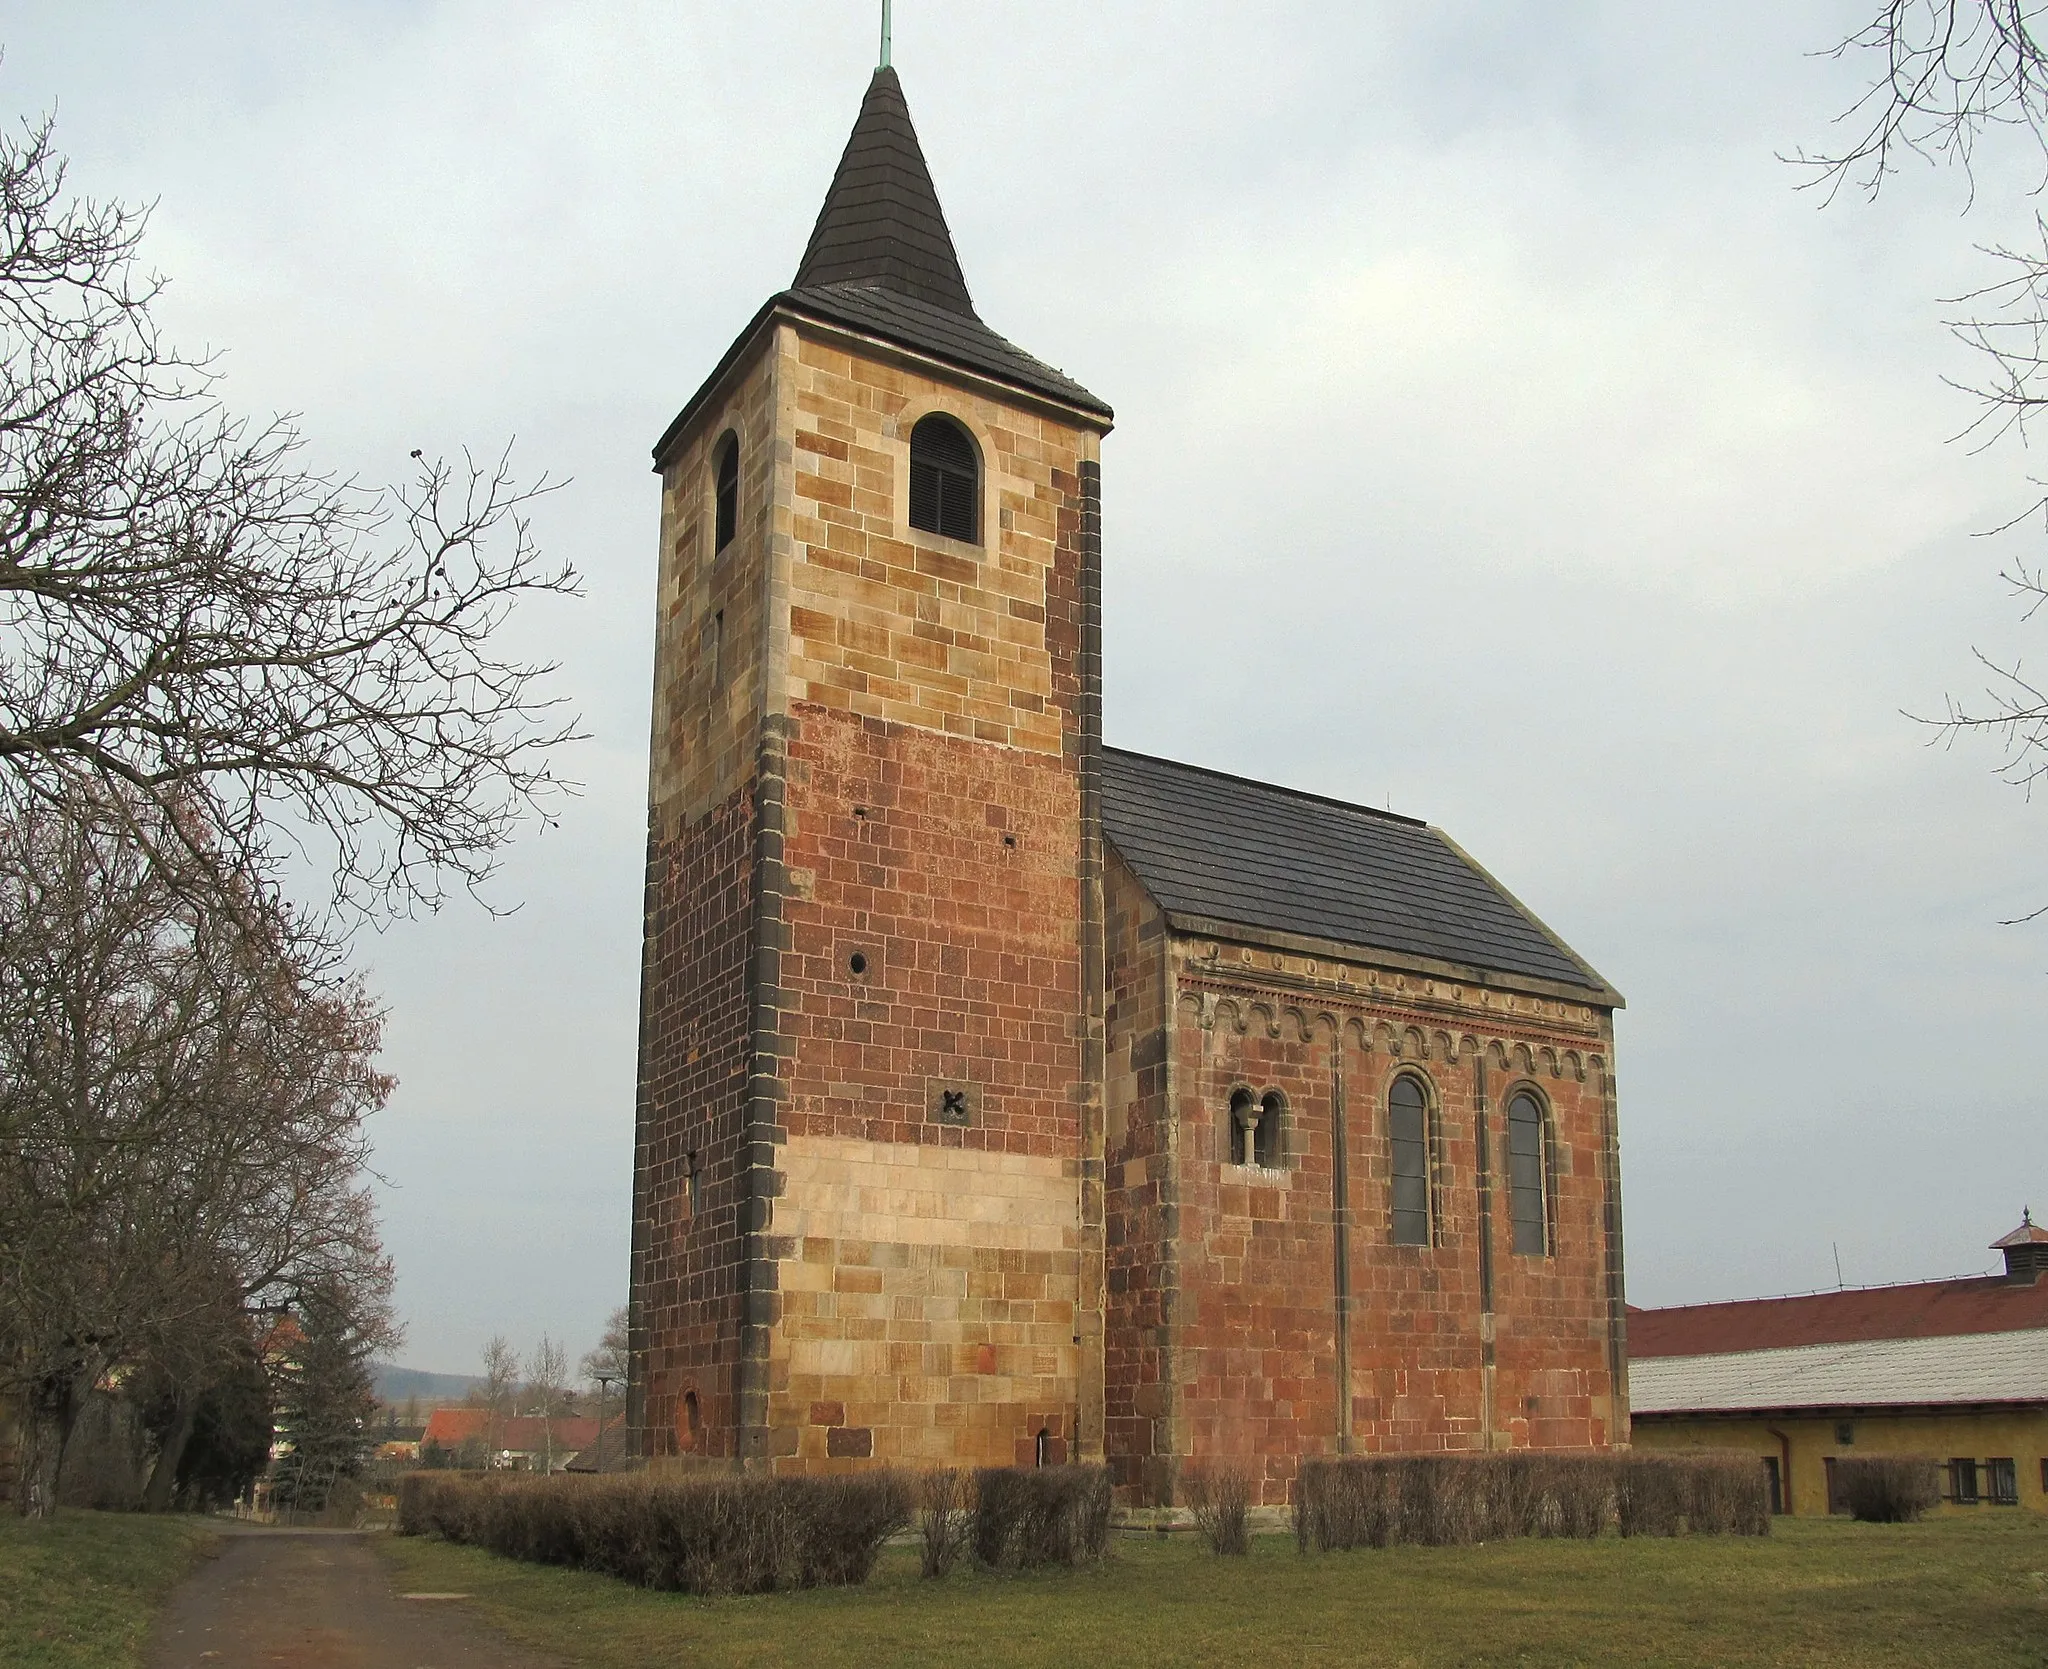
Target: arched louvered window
x=728 y=478
x=1408 y=1137
x=1528 y=1185
x=945 y=480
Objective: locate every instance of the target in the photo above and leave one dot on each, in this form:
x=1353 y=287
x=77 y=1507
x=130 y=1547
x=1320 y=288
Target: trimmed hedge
x=731 y=1534
x=1044 y=1515
x=1888 y=1489
x=1451 y=1500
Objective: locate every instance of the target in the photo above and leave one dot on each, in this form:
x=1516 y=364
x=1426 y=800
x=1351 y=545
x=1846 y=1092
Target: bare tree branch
x=1952 y=70
x=186 y=608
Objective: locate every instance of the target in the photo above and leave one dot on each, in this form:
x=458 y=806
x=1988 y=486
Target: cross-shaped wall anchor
x=954 y=1103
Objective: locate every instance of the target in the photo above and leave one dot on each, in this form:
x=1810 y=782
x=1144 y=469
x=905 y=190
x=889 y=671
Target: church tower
x=868 y=1211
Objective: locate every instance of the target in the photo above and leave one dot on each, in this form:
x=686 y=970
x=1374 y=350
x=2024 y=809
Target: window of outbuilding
x=1528 y=1190
x=2002 y=1481
x=945 y=480
x=726 y=475
x=1962 y=1481
x=1408 y=1137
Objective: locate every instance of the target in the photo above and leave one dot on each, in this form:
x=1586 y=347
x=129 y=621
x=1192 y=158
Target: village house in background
x=480 y=1439
x=1008 y=1098
x=1955 y=1370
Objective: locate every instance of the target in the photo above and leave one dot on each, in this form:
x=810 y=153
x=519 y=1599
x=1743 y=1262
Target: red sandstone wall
x=1140 y=1196
x=693 y=1081
x=1259 y=1356
x=953 y=868
x=1223 y=1335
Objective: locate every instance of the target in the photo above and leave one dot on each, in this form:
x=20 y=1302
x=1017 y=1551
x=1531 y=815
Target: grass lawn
x=80 y=1592
x=1954 y=1592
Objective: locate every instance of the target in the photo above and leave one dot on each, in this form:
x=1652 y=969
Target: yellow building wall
x=2020 y=1435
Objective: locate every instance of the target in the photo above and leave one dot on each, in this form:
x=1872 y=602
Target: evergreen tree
x=326 y=1399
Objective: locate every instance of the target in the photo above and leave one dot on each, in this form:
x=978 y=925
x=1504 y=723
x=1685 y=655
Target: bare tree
x=497 y=1389
x=1953 y=72
x=182 y=1091
x=547 y=1391
x=189 y=613
x=607 y=1360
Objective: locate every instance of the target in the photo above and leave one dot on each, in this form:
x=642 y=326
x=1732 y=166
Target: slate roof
x=1868 y=1373
x=957 y=338
x=881 y=223
x=881 y=261
x=1252 y=855
x=1915 y=1310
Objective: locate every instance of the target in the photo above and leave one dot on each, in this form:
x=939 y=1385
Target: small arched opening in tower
x=945 y=480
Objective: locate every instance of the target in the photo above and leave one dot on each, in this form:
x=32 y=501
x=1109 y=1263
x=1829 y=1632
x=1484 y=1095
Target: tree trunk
x=163 y=1478
x=52 y=1411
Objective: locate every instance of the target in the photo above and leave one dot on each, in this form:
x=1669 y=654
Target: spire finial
x=885 y=34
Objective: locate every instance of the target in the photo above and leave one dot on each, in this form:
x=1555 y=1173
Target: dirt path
x=317 y=1599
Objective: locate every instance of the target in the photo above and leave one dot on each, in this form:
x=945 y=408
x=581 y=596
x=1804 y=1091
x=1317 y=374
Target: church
x=1007 y=1098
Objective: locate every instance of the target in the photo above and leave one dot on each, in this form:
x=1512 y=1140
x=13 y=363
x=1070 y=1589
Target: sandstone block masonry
x=861 y=1228
x=1263 y=1313
x=955 y=1146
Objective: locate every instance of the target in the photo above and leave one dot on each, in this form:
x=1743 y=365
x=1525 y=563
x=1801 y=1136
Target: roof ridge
x=1272 y=787
x=1990 y=1275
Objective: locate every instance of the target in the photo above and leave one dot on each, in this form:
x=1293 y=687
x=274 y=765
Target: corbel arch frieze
x=1262 y=1016
x=1414 y=1045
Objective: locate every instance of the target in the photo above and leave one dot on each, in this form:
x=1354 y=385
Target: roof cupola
x=2026 y=1251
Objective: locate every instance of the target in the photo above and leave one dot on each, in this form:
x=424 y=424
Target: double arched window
x=1255 y=1122
x=945 y=480
x=1528 y=1174
x=1408 y=1136
x=726 y=476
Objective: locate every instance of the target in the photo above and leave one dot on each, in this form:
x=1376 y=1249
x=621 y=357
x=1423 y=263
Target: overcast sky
x=1500 y=437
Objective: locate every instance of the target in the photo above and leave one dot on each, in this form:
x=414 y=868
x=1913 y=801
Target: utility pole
x=603 y=1380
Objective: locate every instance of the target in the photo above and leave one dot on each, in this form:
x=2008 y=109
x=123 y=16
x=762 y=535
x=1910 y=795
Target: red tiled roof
x=522 y=1434
x=1922 y=1310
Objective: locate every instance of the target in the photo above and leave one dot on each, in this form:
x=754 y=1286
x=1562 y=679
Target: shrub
x=945 y=1511
x=841 y=1524
x=1707 y=1493
x=1045 y=1515
x=1448 y=1500
x=702 y=1535
x=1221 y=1502
x=1888 y=1489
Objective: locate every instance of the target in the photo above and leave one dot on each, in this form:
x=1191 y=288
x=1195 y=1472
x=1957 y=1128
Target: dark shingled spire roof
x=881 y=223
x=881 y=262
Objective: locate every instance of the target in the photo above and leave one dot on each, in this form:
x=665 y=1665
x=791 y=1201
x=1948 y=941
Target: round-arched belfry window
x=945 y=480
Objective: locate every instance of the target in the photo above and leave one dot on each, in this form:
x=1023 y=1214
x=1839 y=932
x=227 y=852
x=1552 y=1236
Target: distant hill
x=394 y=1384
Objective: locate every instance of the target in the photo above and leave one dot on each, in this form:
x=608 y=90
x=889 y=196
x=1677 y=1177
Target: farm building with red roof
x=1956 y=1370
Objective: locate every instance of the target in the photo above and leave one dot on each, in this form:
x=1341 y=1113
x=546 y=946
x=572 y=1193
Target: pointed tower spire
x=882 y=225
